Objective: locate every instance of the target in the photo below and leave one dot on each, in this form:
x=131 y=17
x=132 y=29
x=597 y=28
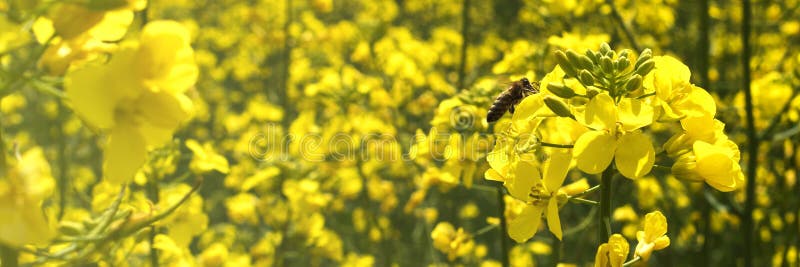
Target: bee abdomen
x=500 y=106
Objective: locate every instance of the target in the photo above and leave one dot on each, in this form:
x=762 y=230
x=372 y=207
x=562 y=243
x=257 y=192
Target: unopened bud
x=69 y=228
x=565 y=64
x=634 y=83
x=586 y=77
x=606 y=64
x=586 y=62
x=622 y=63
x=574 y=59
x=644 y=56
x=646 y=67
x=592 y=55
x=560 y=90
x=624 y=53
x=604 y=48
x=558 y=107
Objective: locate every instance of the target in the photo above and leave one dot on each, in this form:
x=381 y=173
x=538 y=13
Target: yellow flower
x=205 y=158
x=23 y=188
x=539 y=189
x=654 y=235
x=613 y=253
x=677 y=98
x=615 y=127
x=81 y=32
x=138 y=96
x=716 y=164
x=454 y=243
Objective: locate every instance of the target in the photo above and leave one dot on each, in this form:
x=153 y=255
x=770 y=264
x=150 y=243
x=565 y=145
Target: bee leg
x=511 y=109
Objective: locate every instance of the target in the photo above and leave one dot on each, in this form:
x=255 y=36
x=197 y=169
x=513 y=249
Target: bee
x=510 y=98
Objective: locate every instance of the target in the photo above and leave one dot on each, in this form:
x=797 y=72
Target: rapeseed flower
x=138 y=97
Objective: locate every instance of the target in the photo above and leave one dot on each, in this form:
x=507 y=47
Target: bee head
x=526 y=84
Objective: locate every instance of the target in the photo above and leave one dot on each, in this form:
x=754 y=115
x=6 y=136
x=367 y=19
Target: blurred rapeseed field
x=357 y=133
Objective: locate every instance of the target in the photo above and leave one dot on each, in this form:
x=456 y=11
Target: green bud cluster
x=604 y=69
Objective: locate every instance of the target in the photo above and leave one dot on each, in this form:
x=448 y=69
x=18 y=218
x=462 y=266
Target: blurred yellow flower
x=25 y=185
x=451 y=242
x=654 y=235
x=146 y=102
x=205 y=158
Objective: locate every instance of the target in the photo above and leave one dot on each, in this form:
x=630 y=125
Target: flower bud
x=565 y=64
x=574 y=59
x=622 y=63
x=561 y=90
x=586 y=62
x=558 y=107
x=592 y=55
x=678 y=144
x=604 y=48
x=685 y=168
x=634 y=83
x=644 y=56
x=624 y=53
x=592 y=91
x=586 y=77
x=646 y=67
x=69 y=228
x=606 y=64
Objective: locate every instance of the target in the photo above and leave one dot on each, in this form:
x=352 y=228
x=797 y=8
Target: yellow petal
x=91 y=99
x=594 y=150
x=525 y=176
x=634 y=114
x=162 y=109
x=600 y=113
x=635 y=155
x=526 y=224
x=556 y=168
x=125 y=153
x=553 y=221
x=493 y=175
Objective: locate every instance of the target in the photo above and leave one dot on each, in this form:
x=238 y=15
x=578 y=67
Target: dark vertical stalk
x=604 y=230
x=62 y=161
x=627 y=30
x=752 y=139
x=464 y=43
x=152 y=194
x=501 y=203
x=9 y=256
x=285 y=61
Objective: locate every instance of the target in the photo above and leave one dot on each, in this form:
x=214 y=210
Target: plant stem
x=632 y=261
x=752 y=146
x=462 y=65
x=605 y=204
x=555 y=145
x=152 y=194
x=9 y=256
x=501 y=203
x=628 y=32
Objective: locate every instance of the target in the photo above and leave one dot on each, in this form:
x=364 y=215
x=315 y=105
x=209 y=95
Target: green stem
x=9 y=256
x=587 y=191
x=555 y=145
x=485 y=229
x=503 y=226
x=752 y=138
x=583 y=201
x=462 y=65
x=627 y=30
x=152 y=194
x=605 y=204
x=632 y=261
